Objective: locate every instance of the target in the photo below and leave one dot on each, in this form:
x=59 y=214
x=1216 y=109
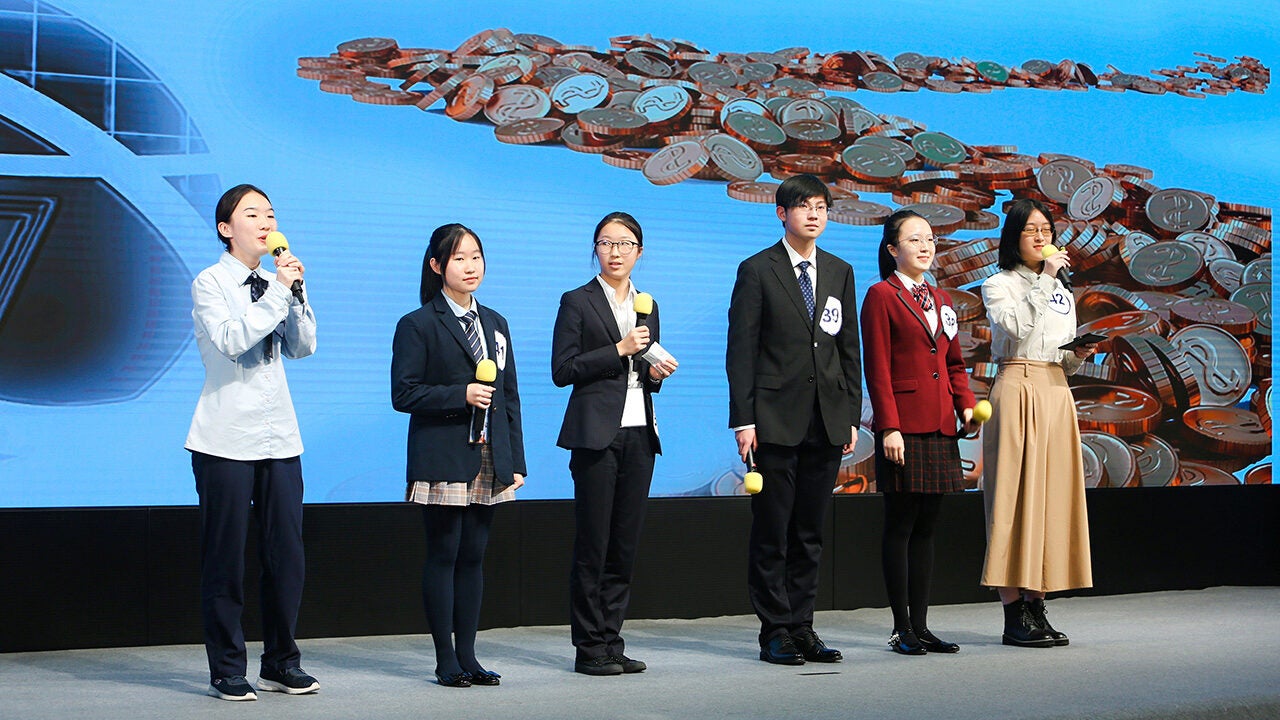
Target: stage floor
x=1189 y=654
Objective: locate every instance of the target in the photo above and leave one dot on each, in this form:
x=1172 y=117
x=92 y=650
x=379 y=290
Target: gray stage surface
x=1190 y=654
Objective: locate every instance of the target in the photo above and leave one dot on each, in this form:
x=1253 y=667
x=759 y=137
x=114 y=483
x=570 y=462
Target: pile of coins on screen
x=1178 y=280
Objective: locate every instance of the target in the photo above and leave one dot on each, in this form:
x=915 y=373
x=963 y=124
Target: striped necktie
x=473 y=335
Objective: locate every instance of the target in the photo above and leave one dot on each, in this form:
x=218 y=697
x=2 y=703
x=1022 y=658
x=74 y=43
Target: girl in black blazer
x=466 y=448
x=611 y=432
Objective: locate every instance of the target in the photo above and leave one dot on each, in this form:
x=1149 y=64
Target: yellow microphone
x=982 y=410
x=486 y=372
x=753 y=481
x=1049 y=251
x=644 y=307
x=277 y=244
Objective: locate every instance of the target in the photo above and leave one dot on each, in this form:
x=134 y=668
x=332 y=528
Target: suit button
x=935 y=376
x=933 y=351
x=815 y=344
x=810 y=378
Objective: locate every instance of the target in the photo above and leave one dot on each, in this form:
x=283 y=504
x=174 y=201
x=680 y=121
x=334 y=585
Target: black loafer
x=933 y=644
x=484 y=677
x=781 y=650
x=905 y=642
x=458 y=679
x=813 y=649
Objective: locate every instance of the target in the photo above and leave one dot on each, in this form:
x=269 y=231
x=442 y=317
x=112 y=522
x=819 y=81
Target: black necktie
x=258 y=286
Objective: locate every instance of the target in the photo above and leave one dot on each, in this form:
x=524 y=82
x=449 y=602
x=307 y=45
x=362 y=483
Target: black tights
x=453 y=581
x=907 y=555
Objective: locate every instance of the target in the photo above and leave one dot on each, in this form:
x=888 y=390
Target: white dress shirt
x=796 y=258
x=245 y=411
x=1031 y=315
x=624 y=314
x=932 y=314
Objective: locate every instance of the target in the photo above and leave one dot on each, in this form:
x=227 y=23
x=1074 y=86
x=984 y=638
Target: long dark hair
x=623 y=219
x=444 y=242
x=227 y=205
x=1015 y=219
x=892 y=225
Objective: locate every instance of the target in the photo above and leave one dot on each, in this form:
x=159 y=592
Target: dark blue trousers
x=227 y=489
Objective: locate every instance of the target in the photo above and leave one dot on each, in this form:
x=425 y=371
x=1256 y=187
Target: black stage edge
x=113 y=577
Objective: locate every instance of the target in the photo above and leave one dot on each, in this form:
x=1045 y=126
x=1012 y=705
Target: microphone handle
x=297 y=284
x=1064 y=277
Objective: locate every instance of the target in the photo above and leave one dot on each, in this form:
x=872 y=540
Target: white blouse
x=1031 y=315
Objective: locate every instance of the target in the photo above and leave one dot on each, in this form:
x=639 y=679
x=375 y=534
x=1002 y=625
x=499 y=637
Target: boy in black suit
x=795 y=399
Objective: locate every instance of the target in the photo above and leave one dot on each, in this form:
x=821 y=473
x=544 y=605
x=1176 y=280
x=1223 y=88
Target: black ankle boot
x=1020 y=628
x=1038 y=614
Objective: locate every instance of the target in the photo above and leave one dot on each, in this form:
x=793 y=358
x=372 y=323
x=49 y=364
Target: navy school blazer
x=431 y=366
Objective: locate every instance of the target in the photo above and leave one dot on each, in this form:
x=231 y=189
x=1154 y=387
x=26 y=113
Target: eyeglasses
x=625 y=247
x=820 y=208
x=1046 y=231
x=919 y=241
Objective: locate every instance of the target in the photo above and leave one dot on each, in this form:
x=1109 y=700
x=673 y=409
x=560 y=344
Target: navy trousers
x=227 y=489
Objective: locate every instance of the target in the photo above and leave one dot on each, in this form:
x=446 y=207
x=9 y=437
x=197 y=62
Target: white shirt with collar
x=931 y=315
x=796 y=259
x=1031 y=315
x=245 y=411
x=624 y=314
x=459 y=311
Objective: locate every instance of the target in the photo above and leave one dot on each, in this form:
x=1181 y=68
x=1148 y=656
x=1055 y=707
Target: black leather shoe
x=1039 y=614
x=629 y=665
x=1020 y=629
x=931 y=643
x=598 y=666
x=812 y=647
x=905 y=642
x=458 y=679
x=781 y=650
x=484 y=677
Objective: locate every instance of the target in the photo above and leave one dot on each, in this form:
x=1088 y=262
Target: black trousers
x=786 y=529
x=610 y=489
x=227 y=488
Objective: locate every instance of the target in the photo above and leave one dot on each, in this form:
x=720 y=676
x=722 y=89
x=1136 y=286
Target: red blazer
x=916 y=380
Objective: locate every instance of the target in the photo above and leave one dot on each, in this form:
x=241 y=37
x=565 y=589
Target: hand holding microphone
x=1056 y=262
x=480 y=397
x=289 y=269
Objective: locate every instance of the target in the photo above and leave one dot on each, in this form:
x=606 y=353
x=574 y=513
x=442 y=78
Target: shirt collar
x=1025 y=272
x=907 y=282
x=237 y=268
x=796 y=257
x=455 y=307
x=608 y=289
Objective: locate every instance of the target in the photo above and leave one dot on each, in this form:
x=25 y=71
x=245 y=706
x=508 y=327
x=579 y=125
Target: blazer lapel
x=599 y=303
x=911 y=304
x=452 y=325
x=786 y=275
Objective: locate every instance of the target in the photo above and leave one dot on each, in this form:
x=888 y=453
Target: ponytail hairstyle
x=892 y=226
x=444 y=242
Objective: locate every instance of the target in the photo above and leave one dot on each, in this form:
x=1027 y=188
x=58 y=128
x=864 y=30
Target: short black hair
x=795 y=190
x=227 y=205
x=1015 y=219
x=892 y=225
x=444 y=241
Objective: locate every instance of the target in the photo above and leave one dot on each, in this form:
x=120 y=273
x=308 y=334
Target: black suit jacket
x=431 y=366
x=780 y=363
x=583 y=355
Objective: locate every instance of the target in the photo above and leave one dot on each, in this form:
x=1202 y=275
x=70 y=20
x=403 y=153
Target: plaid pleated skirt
x=931 y=464
x=482 y=490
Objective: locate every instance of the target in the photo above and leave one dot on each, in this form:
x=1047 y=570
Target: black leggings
x=907 y=555
x=453 y=581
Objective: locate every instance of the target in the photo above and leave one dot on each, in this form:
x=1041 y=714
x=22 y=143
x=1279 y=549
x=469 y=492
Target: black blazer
x=583 y=355
x=431 y=366
x=780 y=363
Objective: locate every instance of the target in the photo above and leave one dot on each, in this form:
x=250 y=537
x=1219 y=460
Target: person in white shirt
x=245 y=446
x=1033 y=478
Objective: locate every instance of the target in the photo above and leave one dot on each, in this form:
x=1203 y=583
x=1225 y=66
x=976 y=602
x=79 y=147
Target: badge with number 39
x=832 y=317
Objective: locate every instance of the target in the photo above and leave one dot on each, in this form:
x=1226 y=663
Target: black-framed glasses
x=625 y=247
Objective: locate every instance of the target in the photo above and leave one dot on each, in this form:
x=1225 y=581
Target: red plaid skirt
x=931 y=465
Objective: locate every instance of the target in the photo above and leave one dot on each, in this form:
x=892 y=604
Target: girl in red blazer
x=919 y=388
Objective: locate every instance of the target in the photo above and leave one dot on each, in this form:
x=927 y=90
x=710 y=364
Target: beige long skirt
x=1033 y=483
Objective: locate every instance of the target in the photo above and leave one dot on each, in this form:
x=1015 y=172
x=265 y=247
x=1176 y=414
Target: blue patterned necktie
x=258 y=286
x=806 y=286
x=473 y=336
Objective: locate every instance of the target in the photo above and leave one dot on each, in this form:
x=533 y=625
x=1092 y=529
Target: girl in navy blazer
x=919 y=388
x=610 y=429
x=466 y=448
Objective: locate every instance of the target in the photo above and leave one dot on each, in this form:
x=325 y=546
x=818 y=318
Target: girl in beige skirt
x=1037 y=523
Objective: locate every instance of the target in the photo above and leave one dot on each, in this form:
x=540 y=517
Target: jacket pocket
x=768 y=382
x=905 y=386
